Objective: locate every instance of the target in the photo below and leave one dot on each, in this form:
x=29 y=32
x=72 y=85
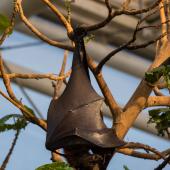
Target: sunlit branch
x=19 y=10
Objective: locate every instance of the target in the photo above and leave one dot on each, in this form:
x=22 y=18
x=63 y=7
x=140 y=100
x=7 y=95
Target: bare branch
x=163 y=164
x=133 y=145
x=19 y=10
x=112 y=15
x=162 y=85
x=28 y=115
x=135 y=47
x=126 y=4
x=158 y=101
x=38 y=76
x=138 y=100
x=109 y=99
x=141 y=11
x=163 y=19
x=60 y=82
x=6 y=81
x=60 y=16
x=112 y=53
x=6 y=160
x=128 y=45
x=108 y=5
x=168 y=15
x=137 y=154
x=157 y=91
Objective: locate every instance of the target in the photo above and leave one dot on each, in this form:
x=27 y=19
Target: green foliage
x=4 y=23
x=155 y=74
x=19 y=122
x=125 y=167
x=89 y=38
x=55 y=166
x=161 y=117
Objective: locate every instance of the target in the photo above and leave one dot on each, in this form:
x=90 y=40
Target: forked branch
x=19 y=10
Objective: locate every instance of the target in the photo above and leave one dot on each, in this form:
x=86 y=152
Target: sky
x=30 y=151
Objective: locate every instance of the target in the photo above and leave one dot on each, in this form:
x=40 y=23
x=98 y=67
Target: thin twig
x=109 y=99
x=19 y=10
x=163 y=164
x=118 y=13
x=128 y=45
x=60 y=16
x=146 y=44
x=133 y=145
x=141 y=155
x=59 y=83
x=6 y=160
x=28 y=115
x=25 y=93
x=126 y=4
x=157 y=91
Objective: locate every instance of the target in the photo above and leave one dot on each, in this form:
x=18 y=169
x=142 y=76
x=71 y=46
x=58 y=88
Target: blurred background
x=122 y=73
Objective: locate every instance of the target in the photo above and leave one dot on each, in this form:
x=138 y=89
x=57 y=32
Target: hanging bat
x=74 y=118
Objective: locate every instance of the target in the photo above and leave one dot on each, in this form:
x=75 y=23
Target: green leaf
x=125 y=167
x=4 y=23
x=89 y=38
x=161 y=118
x=29 y=109
x=155 y=74
x=55 y=166
x=19 y=122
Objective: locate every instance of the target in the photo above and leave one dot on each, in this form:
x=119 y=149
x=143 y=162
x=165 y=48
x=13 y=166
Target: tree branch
x=28 y=115
x=59 y=82
x=158 y=101
x=38 y=76
x=19 y=10
x=163 y=19
x=138 y=100
x=112 y=15
x=157 y=91
x=110 y=101
x=163 y=164
x=6 y=81
x=132 y=145
x=60 y=16
x=133 y=153
x=128 y=45
x=6 y=160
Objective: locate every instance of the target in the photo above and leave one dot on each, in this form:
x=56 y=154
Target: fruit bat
x=74 y=118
